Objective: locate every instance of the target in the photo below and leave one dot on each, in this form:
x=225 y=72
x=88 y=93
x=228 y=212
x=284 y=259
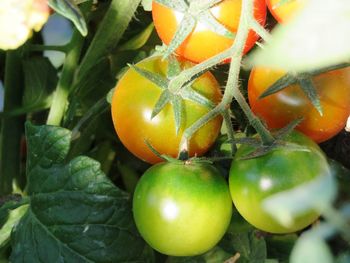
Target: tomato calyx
x=175 y=98
x=260 y=149
x=304 y=80
x=193 y=12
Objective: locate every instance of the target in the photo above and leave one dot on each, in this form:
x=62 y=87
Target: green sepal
x=209 y=20
x=157 y=79
x=279 y=85
x=189 y=94
x=70 y=10
x=163 y=100
x=281 y=133
x=177 y=5
x=183 y=31
x=281 y=2
x=174 y=68
x=309 y=89
x=178 y=108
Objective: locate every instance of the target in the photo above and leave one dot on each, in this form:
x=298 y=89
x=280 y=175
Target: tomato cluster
x=175 y=202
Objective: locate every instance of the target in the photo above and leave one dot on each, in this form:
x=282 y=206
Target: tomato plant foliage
x=80 y=132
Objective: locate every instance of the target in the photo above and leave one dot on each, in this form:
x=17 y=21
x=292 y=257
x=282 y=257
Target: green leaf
x=76 y=214
x=13 y=217
x=280 y=246
x=287 y=205
x=215 y=255
x=316 y=38
x=139 y=40
x=8 y=203
x=309 y=89
x=250 y=246
x=109 y=33
x=311 y=249
x=70 y=10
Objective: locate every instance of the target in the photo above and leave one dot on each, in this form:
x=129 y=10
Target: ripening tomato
x=203 y=43
x=286 y=11
x=279 y=109
x=253 y=180
x=182 y=209
x=133 y=103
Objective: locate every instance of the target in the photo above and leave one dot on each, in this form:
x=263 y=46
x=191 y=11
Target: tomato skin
x=286 y=12
x=279 y=109
x=182 y=209
x=203 y=43
x=253 y=180
x=133 y=103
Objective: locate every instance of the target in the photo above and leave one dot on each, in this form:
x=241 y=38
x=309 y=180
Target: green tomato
x=253 y=180
x=182 y=209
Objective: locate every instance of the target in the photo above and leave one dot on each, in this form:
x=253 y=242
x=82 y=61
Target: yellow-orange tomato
x=133 y=103
x=203 y=43
x=286 y=11
x=281 y=108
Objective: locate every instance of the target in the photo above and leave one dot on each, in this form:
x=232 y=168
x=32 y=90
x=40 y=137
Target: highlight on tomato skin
x=203 y=43
x=251 y=181
x=134 y=100
x=281 y=108
x=286 y=11
x=182 y=209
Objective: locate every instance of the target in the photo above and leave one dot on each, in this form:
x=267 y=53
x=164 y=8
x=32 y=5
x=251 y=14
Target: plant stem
x=232 y=87
x=11 y=127
x=59 y=100
x=36 y=47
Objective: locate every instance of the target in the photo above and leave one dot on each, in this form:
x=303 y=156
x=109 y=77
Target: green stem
x=109 y=33
x=59 y=100
x=230 y=131
x=260 y=30
x=232 y=87
x=11 y=127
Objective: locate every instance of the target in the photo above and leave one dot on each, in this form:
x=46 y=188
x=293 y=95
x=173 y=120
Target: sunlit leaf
x=317 y=37
x=287 y=205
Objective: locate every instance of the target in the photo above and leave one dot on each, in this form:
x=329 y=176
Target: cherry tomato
x=253 y=180
x=286 y=11
x=291 y=103
x=182 y=209
x=203 y=43
x=133 y=103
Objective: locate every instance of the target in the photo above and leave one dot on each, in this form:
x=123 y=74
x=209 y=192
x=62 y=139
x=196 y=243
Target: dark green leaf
x=40 y=78
x=70 y=10
x=76 y=214
x=9 y=203
x=250 y=246
x=157 y=79
x=215 y=255
x=185 y=28
x=309 y=89
x=280 y=246
x=109 y=33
